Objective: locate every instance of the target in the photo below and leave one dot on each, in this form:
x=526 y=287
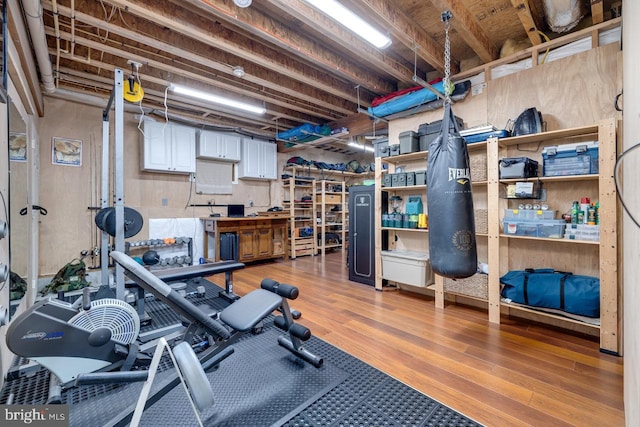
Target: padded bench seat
x=246 y=312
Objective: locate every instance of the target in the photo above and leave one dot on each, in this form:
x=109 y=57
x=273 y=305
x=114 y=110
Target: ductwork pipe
x=33 y=14
x=563 y=15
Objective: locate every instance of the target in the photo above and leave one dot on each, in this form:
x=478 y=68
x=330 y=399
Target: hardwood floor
x=512 y=374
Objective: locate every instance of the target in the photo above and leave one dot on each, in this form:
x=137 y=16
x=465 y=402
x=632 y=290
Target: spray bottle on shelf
x=574 y=212
x=592 y=214
x=585 y=203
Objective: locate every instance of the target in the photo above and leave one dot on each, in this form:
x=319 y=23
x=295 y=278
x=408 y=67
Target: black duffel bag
x=545 y=287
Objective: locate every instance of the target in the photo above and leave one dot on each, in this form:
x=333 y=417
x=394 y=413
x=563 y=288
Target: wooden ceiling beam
x=154 y=100
x=291 y=90
x=410 y=33
x=526 y=18
x=597 y=11
x=148 y=78
x=196 y=27
x=294 y=43
x=468 y=28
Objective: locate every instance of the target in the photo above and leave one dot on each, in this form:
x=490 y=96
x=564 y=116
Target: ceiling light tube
x=352 y=21
x=217 y=99
x=361 y=146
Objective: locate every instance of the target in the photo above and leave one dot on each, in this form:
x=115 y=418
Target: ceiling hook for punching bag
x=448 y=87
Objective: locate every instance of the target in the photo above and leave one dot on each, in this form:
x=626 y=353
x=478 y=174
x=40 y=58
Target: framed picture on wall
x=17 y=147
x=67 y=152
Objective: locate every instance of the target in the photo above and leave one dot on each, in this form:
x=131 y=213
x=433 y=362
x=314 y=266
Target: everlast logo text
x=456 y=174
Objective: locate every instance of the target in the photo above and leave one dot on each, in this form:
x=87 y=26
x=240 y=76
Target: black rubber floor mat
x=258 y=385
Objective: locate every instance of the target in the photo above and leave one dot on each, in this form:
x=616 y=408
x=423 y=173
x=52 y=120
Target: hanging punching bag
x=452 y=237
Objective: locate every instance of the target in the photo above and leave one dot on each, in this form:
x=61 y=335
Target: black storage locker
x=362 y=233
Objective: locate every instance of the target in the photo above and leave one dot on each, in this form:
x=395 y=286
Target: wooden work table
x=258 y=238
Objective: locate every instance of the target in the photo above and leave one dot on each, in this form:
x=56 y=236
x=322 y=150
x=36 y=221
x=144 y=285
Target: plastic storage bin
x=549 y=228
x=408 y=142
x=529 y=214
x=421 y=178
x=570 y=159
x=408 y=267
x=582 y=232
x=381 y=147
x=411 y=178
x=399 y=179
x=394 y=149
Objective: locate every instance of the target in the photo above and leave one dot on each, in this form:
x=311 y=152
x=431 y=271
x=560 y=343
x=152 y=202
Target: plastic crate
x=570 y=159
x=409 y=142
x=381 y=147
x=550 y=228
x=411 y=268
x=529 y=214
x=421 y=178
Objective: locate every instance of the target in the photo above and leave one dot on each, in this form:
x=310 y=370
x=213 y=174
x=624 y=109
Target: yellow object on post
x=132 y=91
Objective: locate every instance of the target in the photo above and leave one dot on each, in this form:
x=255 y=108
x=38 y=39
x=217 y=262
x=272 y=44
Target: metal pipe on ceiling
x=33 y=14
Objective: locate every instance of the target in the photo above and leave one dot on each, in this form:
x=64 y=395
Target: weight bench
x=186 y=273
x=241 y=316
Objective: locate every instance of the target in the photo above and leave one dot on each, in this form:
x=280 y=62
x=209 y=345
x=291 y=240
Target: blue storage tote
x=570 y=159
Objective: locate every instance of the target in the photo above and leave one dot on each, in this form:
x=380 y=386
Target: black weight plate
x=132 y=222
x=100 y=217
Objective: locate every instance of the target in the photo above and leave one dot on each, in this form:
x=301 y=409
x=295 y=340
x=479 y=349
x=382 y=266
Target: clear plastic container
x=529 y=214
x=549 y=228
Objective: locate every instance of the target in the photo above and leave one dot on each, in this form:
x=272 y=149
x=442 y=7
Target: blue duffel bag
x=545 y=287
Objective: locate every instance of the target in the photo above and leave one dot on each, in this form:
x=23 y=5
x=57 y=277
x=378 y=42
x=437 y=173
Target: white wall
x=630 y=232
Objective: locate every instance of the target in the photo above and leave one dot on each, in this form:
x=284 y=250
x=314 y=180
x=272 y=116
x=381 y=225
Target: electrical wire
x=190 y=192
x=546 y=39
x=616 y=170
x=166 y=108
x=140 y=101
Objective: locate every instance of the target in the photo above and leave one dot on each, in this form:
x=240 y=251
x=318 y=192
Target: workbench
x=258 y=238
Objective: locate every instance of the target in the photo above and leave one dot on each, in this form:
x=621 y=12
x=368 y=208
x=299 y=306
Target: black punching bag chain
x=446 y=18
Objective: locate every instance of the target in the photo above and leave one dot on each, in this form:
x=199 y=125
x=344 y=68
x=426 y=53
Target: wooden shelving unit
x=581 y=257
x=310 y=180
x=332 y=215
x=508 y=252
x=301 y=216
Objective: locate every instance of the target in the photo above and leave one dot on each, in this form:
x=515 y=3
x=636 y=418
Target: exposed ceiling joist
x=302 y=46
x=468 y=28
x=182 y=72
x=347 y=39
x=406 y=30
x=524 y=14
x=198 y=29
x=175 y=49
x=597 y=11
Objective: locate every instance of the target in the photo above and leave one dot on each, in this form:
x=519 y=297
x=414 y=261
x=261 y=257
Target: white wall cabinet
x=259 y=160
x=218 y=146
x=168 y=148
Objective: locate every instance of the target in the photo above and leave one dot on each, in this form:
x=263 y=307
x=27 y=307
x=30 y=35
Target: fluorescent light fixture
x=217 y=99
x=361 y=146
x=352 y=21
